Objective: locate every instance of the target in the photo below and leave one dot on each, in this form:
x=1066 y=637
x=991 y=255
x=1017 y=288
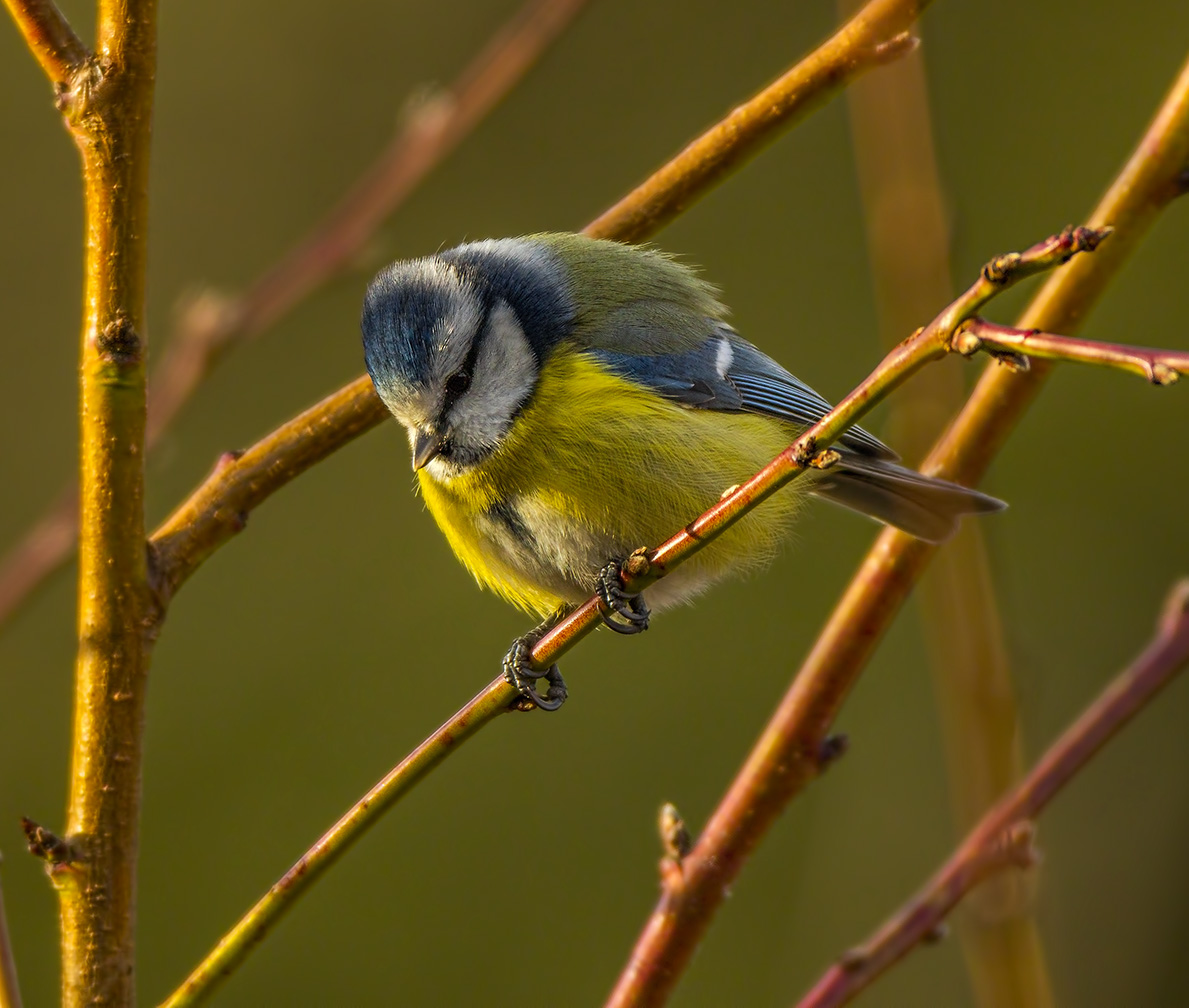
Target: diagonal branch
x=785 y=759
x=1002 y=837
x=50 y=38
x=909 y=247
x=217 y=509
x=220 y=506
x=927 y=344
x=876 y=35
x=213 y=325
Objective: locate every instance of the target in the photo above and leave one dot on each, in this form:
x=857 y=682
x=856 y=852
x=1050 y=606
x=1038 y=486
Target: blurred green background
x=323 y=643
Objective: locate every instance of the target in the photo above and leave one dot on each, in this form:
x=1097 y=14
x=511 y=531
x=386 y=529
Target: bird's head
x=454 y=344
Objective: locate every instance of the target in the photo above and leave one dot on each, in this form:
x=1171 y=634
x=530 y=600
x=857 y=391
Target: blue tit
x=569 y=400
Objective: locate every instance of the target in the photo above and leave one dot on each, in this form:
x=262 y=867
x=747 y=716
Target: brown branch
x=1002 y=837
x=216 y=511
x=241 y=481
x=930 y=343
x=213 y=324
x=50 y=38
x=219 y=508
x=43 y=549
x=109 y=111
x=784 y=761
x=908 y=238
x=877 y=34
x=1160 y=367
x=234 y=946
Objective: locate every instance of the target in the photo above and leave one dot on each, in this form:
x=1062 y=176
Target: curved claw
x=520 y=674
x=631 y=609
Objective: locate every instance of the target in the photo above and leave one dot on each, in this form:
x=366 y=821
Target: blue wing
x=729 y=374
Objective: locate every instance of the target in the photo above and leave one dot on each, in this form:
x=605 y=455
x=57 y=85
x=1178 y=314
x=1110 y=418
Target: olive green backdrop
x=318 y=647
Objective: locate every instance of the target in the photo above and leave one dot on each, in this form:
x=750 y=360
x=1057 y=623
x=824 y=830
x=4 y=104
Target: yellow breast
x=594 y=467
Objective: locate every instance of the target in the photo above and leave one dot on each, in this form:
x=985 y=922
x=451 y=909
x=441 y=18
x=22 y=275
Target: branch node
x=638 y=564
x=938 y=933
x=804 y=452
x=831 y=750
x=119 y=343
x=1000 y=269
x=825 y=459
x=1019 y=844
x=853 y=960
x=1087 y=239
x=965 y=340
x=45 y=844
x=74 y=97
x=675 y=840
x=226 y=460
x=1162 y=374
x=1015 y=362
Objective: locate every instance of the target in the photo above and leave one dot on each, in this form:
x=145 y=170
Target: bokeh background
x=323 y=643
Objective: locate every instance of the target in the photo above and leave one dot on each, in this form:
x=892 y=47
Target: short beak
x=425 y=449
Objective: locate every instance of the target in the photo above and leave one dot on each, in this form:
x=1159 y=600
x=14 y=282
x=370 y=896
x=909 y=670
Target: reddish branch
x=1014 y=347
x=219 y=508
x=213 y=324
x=216 y=511
x=785 y=759
x=1002 y=837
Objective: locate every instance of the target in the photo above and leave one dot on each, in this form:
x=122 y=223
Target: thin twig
x=784 y=760
x=234 y=946
x=50 y=38
x=10 y=991
x=1160 y=367
x=218 y=508
x=930 y=343
x=44 y=548
x=213 y=324
x=1002 y=837
x=877 y=34
x=908 y=238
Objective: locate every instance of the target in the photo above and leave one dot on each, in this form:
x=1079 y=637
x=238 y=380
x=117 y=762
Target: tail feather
x=922 y=506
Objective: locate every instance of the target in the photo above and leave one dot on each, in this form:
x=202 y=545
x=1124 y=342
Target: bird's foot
x=524 y=677
x=631 y=609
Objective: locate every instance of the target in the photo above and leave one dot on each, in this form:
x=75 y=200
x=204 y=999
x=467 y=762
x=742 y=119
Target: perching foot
x=520 y=674
x=631 y=610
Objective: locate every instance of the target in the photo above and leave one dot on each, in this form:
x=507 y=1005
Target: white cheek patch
x=505 y=372
x=724 y=358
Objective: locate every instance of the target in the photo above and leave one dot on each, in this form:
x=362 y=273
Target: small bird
x=569 y=400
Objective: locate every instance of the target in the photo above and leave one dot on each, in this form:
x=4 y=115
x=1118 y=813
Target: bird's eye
x=458 y=383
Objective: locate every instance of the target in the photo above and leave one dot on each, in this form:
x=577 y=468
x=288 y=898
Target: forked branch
x=213 y=324
x=785 y=759
x=930 y=343
x=217 y=509
x=1003 y=836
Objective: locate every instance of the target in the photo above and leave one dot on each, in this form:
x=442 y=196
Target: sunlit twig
x=1002 y=837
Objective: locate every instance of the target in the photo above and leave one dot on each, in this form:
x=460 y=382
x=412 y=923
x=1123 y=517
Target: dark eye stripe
x=460 y=381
